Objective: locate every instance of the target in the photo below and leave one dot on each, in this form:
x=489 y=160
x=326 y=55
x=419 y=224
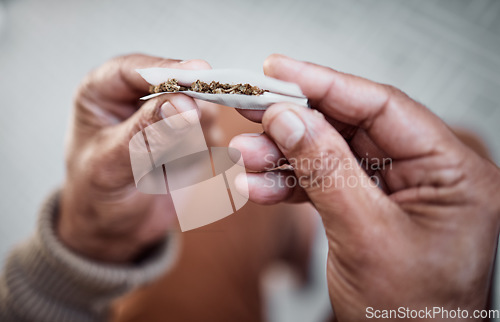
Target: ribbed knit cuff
x=45 y=281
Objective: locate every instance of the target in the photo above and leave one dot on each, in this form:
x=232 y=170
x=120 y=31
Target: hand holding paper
x=275 y=91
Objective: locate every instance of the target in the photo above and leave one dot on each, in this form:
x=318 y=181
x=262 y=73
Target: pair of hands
x=426 y=237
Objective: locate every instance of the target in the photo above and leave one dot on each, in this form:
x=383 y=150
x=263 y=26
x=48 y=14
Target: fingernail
x=185 y=61
x=251 y=134
x=171 y=117
x=181 y=108
x=287 y=129
x=165 y=109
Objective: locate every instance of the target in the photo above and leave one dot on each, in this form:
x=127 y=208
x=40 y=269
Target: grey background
x=445 y=54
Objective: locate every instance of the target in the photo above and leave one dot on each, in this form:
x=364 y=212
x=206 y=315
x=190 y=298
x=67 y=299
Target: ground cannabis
x=214 y=87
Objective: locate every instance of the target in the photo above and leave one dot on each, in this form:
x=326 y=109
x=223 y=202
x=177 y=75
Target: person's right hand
x=426 y=239
x=103 y=216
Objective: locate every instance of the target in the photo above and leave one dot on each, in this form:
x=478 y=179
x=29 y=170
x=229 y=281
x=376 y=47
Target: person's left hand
x=103 y=216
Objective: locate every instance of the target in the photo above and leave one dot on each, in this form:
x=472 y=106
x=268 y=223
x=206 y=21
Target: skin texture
x=427 y=238
x=103 y=217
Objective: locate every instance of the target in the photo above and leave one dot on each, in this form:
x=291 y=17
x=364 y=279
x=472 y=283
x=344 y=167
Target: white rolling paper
x=278 y=91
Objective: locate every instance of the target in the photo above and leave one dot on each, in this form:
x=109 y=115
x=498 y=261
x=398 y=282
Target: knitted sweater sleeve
x=42 y=280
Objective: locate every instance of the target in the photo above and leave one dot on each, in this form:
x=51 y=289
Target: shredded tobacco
x=214 y=87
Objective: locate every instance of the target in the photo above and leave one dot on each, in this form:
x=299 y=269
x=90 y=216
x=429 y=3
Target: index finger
x=397 y=124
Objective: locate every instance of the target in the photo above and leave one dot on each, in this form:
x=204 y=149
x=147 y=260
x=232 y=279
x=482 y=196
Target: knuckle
x=123 y=59
x=393 y=93
x=391 y=90
x=316 y=170
x=92 y=81
x=85 y=87
x=102 y=172
x=396 y=97
x=128 y=56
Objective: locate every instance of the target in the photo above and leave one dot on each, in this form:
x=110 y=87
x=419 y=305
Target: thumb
x=112 y=152
x=346 y=198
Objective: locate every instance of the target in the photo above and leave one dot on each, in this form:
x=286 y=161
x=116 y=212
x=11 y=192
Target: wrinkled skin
x=427 y=238
x=103 y=215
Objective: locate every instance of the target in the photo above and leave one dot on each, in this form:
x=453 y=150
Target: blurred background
x=445 y=54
